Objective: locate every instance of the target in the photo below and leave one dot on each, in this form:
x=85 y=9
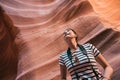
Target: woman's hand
x=108 y=71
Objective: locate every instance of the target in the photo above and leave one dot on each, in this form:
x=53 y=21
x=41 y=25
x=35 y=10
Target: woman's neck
x=73 y=45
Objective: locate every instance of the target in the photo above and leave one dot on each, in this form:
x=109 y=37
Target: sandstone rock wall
x=40 y=41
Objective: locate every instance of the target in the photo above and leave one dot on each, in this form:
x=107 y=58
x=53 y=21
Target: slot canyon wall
x=31 y=35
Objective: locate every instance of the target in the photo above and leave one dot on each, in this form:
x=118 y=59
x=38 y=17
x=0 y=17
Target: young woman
x=81 y=60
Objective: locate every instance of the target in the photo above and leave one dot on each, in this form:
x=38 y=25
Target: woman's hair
x=75 y=34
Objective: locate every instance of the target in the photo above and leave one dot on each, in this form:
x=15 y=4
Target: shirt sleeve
x=94 y=50
x=61 y=61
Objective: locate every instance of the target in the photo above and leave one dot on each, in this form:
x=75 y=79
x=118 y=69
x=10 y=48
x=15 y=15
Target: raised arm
x=63 y=72
x=108 y=71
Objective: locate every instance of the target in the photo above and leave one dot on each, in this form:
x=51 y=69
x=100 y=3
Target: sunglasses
x=67 y=32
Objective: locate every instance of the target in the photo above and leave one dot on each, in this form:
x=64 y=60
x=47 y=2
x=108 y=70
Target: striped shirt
x=83 y=65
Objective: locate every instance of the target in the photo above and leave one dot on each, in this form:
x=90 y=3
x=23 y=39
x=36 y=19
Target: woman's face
x=69 y=34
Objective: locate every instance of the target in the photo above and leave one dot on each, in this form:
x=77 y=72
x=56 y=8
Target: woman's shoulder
x=87 y=44
x=63 y=53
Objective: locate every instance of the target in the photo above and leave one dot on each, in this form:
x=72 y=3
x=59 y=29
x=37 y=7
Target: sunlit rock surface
x=108 y=11
x=40 y=41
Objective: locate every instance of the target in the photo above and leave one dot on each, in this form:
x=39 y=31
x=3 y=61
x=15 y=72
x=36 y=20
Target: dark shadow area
x=8 y=48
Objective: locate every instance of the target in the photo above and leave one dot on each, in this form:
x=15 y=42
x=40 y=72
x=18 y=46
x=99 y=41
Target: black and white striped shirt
x=83 y=66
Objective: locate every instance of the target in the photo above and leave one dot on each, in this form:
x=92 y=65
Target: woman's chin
x=67 y=37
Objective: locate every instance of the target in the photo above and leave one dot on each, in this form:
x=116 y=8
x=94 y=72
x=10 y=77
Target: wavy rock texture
x=108 y=11
x=40 y=41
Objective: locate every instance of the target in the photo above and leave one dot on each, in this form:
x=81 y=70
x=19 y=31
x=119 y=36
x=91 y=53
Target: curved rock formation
x=108 y=11
x=40 y=41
